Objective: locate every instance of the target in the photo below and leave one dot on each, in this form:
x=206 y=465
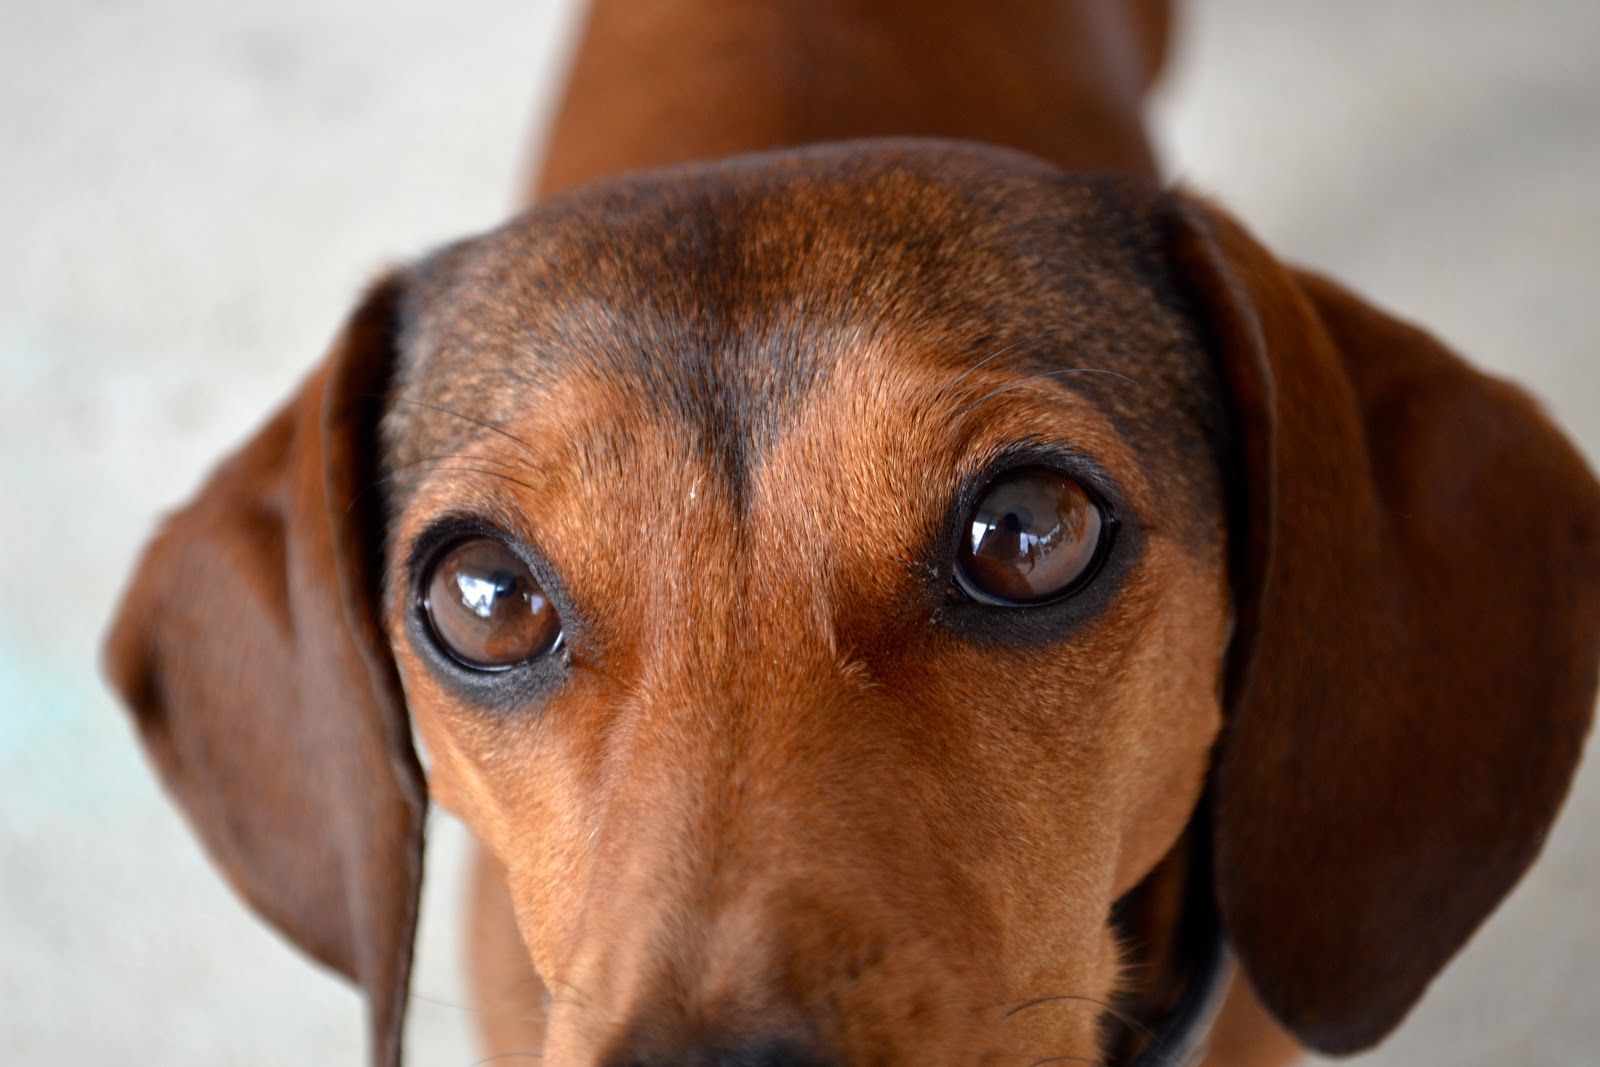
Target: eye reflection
x=485 y=607
x=1034 y=535
x=479 y=593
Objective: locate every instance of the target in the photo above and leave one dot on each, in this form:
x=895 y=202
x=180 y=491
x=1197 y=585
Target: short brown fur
x=782 y=786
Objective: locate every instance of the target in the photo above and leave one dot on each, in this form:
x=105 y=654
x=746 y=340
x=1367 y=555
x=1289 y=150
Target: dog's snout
x=759 y=1052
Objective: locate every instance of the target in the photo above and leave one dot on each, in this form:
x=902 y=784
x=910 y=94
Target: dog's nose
x=762 y=1052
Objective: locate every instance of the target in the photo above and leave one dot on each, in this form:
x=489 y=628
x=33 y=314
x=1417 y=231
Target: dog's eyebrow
x=1059 y=372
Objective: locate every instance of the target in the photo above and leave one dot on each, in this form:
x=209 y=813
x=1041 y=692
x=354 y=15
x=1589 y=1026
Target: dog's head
x=828 y=582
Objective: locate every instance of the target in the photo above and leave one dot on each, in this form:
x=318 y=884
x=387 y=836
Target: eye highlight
x=485 y=608
x=1034 y=536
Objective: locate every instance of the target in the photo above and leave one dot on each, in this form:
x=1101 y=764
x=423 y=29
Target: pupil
x=1011 y=522
x=504 y=582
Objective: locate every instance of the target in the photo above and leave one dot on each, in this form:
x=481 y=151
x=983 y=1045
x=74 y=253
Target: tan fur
x=781 y=783
x=660 y=844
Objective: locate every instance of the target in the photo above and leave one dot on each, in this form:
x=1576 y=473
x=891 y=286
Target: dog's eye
x=1035 y=535
x=485 y=607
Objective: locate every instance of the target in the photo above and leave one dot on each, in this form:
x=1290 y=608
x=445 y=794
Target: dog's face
x=826 y=632
x=827 y=583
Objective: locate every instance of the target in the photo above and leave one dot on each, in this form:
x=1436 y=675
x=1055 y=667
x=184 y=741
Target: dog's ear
x=249 y=651
x=1417 y=559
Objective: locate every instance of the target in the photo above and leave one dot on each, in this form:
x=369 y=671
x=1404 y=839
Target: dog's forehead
x=719 y=297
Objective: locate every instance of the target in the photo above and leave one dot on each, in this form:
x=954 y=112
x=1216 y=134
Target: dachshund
x=884 y=580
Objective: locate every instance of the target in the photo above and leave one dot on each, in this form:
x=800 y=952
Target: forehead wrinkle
x=715 y=296
x=717 y=299
x=733 y=349
x=713 y=339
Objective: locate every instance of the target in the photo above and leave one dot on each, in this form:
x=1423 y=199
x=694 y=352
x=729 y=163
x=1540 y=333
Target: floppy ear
x=1417 y=554
x=248 y=649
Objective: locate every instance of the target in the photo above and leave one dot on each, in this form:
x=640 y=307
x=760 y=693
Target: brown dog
x=880 y=603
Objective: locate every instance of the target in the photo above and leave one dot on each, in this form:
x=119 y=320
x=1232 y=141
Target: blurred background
x=191 y=194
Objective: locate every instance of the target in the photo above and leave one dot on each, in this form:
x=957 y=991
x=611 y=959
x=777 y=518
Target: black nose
x=762 y=1052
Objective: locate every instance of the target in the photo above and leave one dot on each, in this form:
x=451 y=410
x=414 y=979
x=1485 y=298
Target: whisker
x=508 y=1056
x=499 y=1010
x=397 y=468
x=985 y=361
x=476 y=1009
x=440 y=1002
x=441 y=409
x=1110 y=1009
x=376 y=482
x=1069 y=1059
x=1054 y=998
x=491 y=473
x=369 y=487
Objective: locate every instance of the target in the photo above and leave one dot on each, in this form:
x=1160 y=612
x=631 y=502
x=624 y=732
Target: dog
x=885 y=581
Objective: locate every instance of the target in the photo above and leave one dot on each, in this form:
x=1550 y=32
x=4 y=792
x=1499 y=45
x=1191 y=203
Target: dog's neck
x=658 y=84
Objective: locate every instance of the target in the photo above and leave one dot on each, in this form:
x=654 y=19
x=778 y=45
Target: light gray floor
x=191 y=192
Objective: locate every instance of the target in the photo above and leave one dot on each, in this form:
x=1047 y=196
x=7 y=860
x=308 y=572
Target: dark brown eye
x=485 y=607
x=1035 y=535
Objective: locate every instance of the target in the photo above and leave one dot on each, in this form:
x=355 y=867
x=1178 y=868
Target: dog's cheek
x=464 y=750
x=1050 y=1012
x=451 y=782
x=1171 y=709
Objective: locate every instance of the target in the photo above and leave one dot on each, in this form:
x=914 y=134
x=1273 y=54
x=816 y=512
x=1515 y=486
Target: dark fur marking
x=716 y=297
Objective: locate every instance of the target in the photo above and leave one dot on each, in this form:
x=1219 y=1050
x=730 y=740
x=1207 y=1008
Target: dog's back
x=668 y=81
